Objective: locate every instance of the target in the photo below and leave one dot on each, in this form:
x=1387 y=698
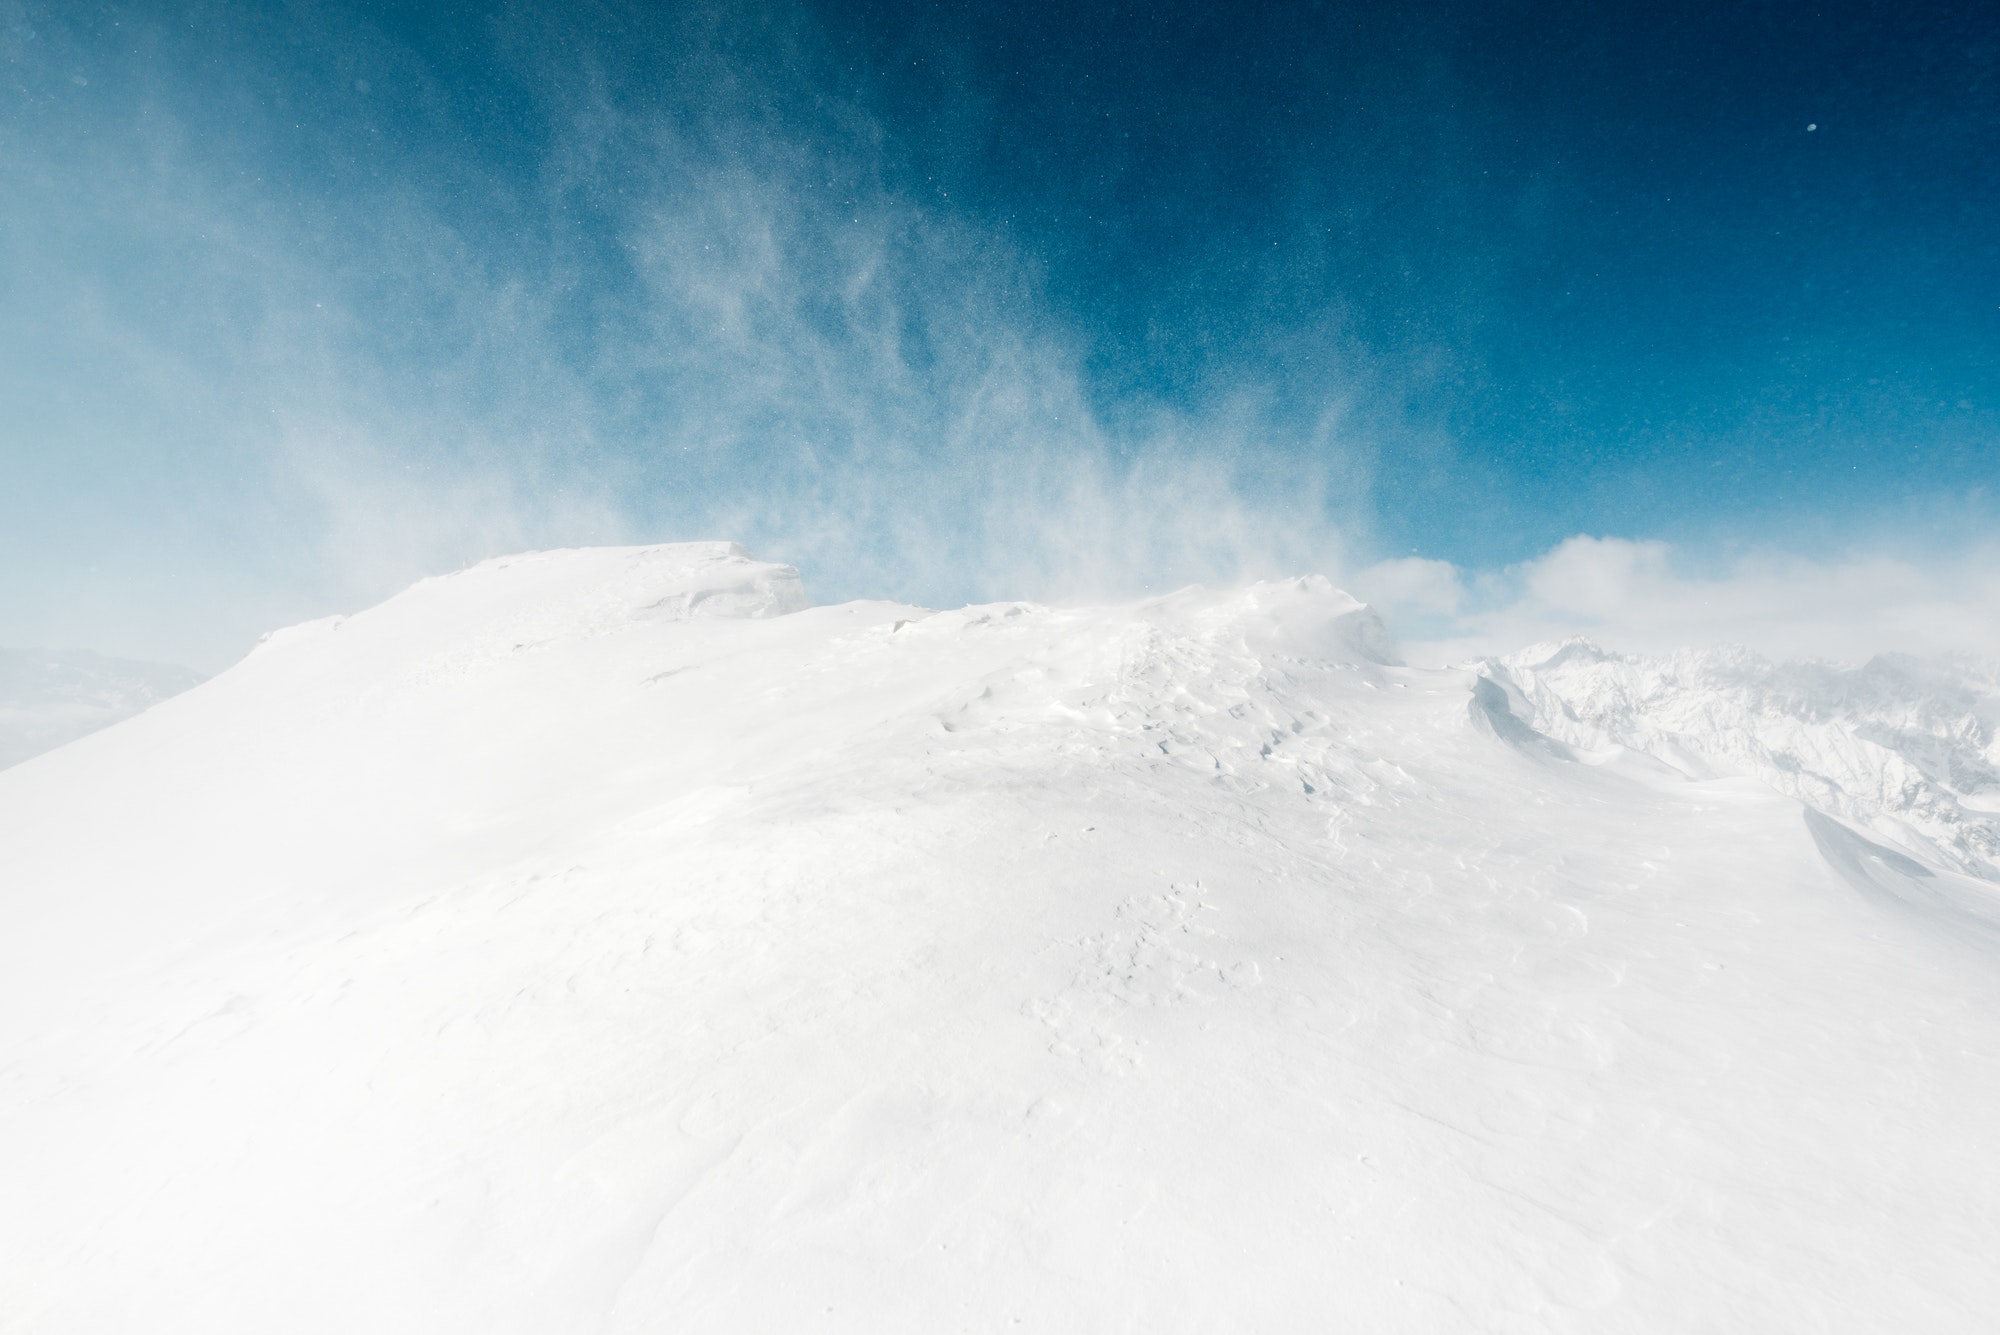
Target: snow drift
x=608 y=941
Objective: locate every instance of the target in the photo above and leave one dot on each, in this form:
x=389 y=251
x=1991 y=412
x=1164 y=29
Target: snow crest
x=527 y=601
x=1906 y=748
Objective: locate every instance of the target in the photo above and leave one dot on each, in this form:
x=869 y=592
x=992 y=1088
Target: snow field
x=604 y=941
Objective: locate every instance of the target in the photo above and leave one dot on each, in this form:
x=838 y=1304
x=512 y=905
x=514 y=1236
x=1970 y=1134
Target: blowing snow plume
x=338 y=324
x=606 y=940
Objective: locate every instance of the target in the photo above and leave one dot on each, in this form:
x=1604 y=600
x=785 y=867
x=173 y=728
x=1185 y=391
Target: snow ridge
x=539 y=597
x=1903 y=747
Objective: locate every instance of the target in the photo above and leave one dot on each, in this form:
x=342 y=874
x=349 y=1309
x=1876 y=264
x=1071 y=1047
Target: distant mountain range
x=1905 y=748
x=50 y=697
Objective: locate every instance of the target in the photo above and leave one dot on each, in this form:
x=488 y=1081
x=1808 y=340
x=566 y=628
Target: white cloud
x=1640 y=596
x=1414 y=588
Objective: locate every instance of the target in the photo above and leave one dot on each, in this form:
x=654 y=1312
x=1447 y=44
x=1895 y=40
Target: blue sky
x=301 y=302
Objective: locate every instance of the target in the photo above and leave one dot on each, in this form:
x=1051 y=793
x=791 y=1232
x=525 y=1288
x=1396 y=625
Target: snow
x=49 y=697
x=607 y=941
x=1907 y=749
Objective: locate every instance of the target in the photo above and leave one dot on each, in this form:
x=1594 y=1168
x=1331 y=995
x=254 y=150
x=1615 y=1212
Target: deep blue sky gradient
x=1456 y=279
x=1593 y=252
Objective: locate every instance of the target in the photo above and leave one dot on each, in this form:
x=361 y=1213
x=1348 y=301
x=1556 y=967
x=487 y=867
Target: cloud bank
x=1640 y=596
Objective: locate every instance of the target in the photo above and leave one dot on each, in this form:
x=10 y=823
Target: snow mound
x=50 y=698
x=1907 y=749
x=1305 y=620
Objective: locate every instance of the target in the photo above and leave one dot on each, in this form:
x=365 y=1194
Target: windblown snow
x=608 y=941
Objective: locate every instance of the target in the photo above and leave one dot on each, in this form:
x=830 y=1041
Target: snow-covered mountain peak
x=1906 y=748
x=532 y=599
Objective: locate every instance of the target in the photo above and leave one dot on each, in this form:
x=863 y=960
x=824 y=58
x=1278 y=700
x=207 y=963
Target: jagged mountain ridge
x=1906 y=749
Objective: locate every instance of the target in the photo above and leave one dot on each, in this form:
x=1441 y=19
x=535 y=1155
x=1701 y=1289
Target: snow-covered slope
x=49 y=698
x=1904 y=748
x=604 y=941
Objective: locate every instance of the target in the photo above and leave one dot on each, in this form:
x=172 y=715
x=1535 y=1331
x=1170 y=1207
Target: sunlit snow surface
x=603 y=941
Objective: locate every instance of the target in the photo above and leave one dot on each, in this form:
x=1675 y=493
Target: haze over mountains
x=49 y=697
x=609 y=940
